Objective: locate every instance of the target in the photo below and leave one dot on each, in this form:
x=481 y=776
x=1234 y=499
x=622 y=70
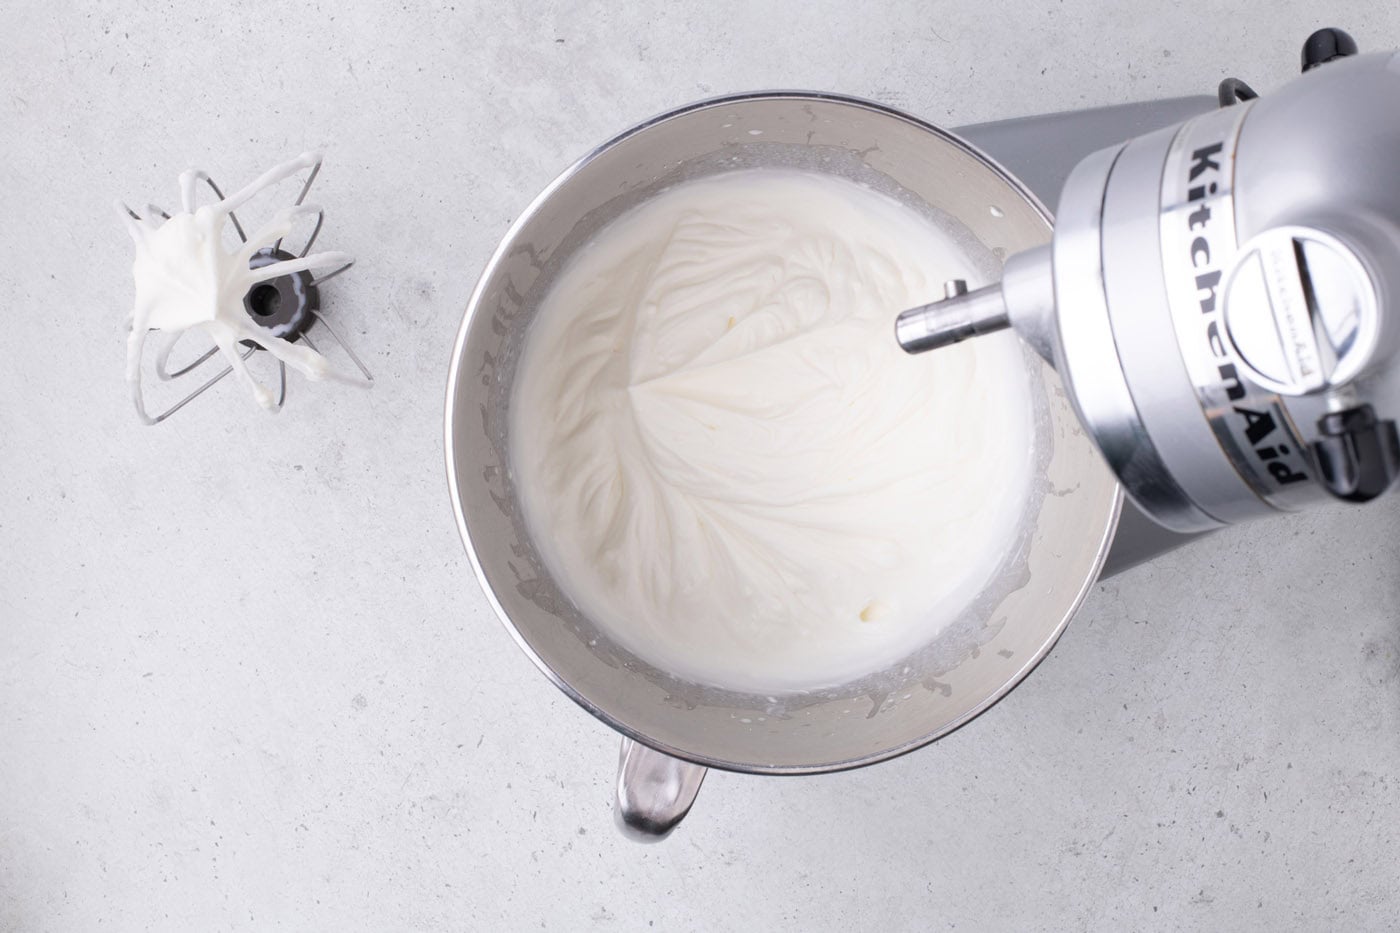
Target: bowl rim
x=455 y=374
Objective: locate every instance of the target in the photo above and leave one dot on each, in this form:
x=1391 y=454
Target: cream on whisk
x=187 y=279
x=725 y=457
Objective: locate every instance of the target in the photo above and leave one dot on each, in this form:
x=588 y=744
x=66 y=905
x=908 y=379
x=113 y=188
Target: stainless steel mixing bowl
x=1067 y=524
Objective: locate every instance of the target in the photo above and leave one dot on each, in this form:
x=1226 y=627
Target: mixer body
x=1220 y=299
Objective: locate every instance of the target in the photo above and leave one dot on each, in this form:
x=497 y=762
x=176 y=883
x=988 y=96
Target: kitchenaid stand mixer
x=672 y=731
x=1216 y=298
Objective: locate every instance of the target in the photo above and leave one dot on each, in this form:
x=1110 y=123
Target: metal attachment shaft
x=959 y=315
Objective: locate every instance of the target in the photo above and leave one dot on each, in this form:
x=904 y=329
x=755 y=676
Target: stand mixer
x=1219 y=298
x=1153 y=296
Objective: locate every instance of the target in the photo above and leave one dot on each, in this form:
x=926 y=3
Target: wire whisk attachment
x=256 y=296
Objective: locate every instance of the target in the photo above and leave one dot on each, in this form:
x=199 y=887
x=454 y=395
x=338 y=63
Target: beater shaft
x=959 y=315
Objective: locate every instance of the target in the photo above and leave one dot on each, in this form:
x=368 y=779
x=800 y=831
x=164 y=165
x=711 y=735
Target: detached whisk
x=255 y=296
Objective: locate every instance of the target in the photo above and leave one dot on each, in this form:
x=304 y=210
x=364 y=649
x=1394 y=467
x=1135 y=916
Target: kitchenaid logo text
x=1259 y=426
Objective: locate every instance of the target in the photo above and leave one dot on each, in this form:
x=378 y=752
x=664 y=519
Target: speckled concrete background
x=247 y=680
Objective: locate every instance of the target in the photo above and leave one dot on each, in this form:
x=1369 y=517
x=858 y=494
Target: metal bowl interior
x=1067 y=524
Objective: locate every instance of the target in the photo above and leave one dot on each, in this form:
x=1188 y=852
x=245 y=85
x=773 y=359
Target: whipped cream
x=726 y=460
x=187 y=279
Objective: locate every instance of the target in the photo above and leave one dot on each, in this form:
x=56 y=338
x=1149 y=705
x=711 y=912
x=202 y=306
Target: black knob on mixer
x=1358 y=455
x=1325 y=45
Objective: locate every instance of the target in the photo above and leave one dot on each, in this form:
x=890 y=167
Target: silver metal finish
x=1301 y=312
x=1322 y=155
x=1028 y=291
x=1042 y=151
x=654 y=791
x=1087 y=356
x=1023 y=299
x=1210 y=491
x=1199 y=242
x=209 y=383
x=320 y=280
x=1201 y=366
x=344 y=345
x=1001 y=637
x=960 y=315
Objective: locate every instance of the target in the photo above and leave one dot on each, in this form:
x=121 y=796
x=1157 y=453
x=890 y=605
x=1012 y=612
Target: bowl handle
x=654 y=791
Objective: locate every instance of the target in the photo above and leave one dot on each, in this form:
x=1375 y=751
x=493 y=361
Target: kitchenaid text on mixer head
x=1262 y=241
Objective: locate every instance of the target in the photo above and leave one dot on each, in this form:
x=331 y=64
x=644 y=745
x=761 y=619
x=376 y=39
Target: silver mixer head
x=1222 y=299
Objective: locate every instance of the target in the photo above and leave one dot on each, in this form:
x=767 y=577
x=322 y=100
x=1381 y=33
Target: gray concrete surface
x=247 y=680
